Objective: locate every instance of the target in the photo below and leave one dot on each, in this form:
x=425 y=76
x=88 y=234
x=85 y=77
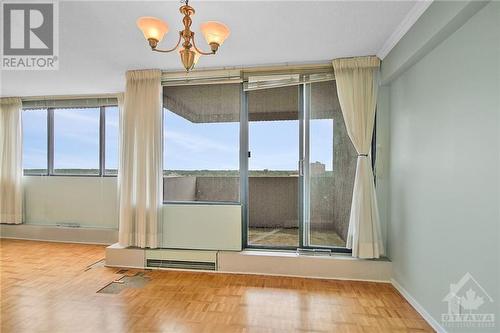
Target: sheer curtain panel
x=11 y=169
x=140 y=166
x=357 y=90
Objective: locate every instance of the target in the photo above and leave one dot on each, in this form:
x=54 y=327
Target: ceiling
x=98 y=40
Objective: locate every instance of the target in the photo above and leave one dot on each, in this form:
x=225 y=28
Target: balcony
x=273 y=205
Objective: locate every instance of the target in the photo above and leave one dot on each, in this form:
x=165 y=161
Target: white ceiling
x=99 y=40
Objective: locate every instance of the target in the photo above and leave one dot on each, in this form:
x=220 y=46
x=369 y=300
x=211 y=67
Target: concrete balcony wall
x=330 y=205
x=273 y=200
x=222 y=188
x=179 y=188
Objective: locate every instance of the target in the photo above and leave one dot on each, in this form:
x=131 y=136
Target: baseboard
x=304 y=276
x=47 y=233
x=420 y=309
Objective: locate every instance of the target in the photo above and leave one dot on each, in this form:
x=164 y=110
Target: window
x=70 y=141
x=301 y=168
x=112 y=144
x=201 y=143
x=332 y=169
x=35 y=141
x=76 y=141
x=273 y=193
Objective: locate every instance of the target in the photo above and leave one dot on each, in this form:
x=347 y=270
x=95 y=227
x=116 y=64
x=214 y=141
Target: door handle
x=301 y=167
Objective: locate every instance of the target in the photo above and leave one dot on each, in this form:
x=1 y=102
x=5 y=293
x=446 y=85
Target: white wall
x=91 y=202
x=445 y=166
x=202 y=227
x=87 y=201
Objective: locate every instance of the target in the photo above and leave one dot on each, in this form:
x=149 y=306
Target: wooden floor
x=49 y=287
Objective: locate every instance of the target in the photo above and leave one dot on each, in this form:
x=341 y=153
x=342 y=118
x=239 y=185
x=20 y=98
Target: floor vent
x=127 y=281
x=68 y=225
x=181 y=264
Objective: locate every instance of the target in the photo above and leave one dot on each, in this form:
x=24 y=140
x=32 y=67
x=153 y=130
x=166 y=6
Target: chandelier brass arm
x=153 y=43
x=214 y=49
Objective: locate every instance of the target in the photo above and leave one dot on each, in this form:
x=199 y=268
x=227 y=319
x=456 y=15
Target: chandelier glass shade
x=154 y=30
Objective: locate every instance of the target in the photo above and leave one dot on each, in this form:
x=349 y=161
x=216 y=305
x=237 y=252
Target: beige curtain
x=140 y=166
x=11 y=169
x=357 y=90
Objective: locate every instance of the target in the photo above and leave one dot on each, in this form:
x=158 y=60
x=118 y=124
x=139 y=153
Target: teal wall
x=444 y=163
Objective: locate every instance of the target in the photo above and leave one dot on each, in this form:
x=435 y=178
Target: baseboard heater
x=182 y=259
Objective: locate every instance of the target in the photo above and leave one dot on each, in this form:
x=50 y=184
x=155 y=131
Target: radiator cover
x=181 y=259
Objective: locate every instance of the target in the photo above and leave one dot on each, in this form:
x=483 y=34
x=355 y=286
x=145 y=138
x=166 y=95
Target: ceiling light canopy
x=154 y=30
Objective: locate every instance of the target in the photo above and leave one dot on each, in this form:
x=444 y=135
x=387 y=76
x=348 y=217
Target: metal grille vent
x=180 y=264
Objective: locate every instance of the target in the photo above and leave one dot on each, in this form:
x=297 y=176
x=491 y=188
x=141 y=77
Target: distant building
x=317 y=168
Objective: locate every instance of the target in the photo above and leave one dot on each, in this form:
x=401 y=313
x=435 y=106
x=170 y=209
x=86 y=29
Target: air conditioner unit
x=181 y=259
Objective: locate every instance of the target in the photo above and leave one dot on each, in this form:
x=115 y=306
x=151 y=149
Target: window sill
x=294 y=254
x=207 y=203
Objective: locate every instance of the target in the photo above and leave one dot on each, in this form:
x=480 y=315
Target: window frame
x=50 y=145
x=102 y=143
x=46 y=169
x=304 y=92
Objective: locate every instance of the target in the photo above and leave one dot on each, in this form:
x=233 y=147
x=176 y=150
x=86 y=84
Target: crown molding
x=413 y=15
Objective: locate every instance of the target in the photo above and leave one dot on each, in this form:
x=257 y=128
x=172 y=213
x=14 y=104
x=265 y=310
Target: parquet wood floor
x=46 y=287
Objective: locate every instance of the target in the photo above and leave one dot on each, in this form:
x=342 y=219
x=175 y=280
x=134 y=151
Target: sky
x=76 y=138
x=34 y=139
x=274 y=145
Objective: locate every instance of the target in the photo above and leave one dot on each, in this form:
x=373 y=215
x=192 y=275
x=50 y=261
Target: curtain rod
x=238 y=70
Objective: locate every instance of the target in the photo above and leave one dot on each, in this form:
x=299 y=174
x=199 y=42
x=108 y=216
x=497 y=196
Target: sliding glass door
x=273 y=177
x=301 y=167
x=332 y=166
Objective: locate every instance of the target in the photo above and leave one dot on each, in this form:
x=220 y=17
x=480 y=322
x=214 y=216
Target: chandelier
x=155 y=29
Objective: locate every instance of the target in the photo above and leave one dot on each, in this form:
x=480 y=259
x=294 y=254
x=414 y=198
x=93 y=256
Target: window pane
x=332 y=168
x=273 y=193
x=76 y=141
x=201 y=143
x=112 y=125
x=35 y=141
